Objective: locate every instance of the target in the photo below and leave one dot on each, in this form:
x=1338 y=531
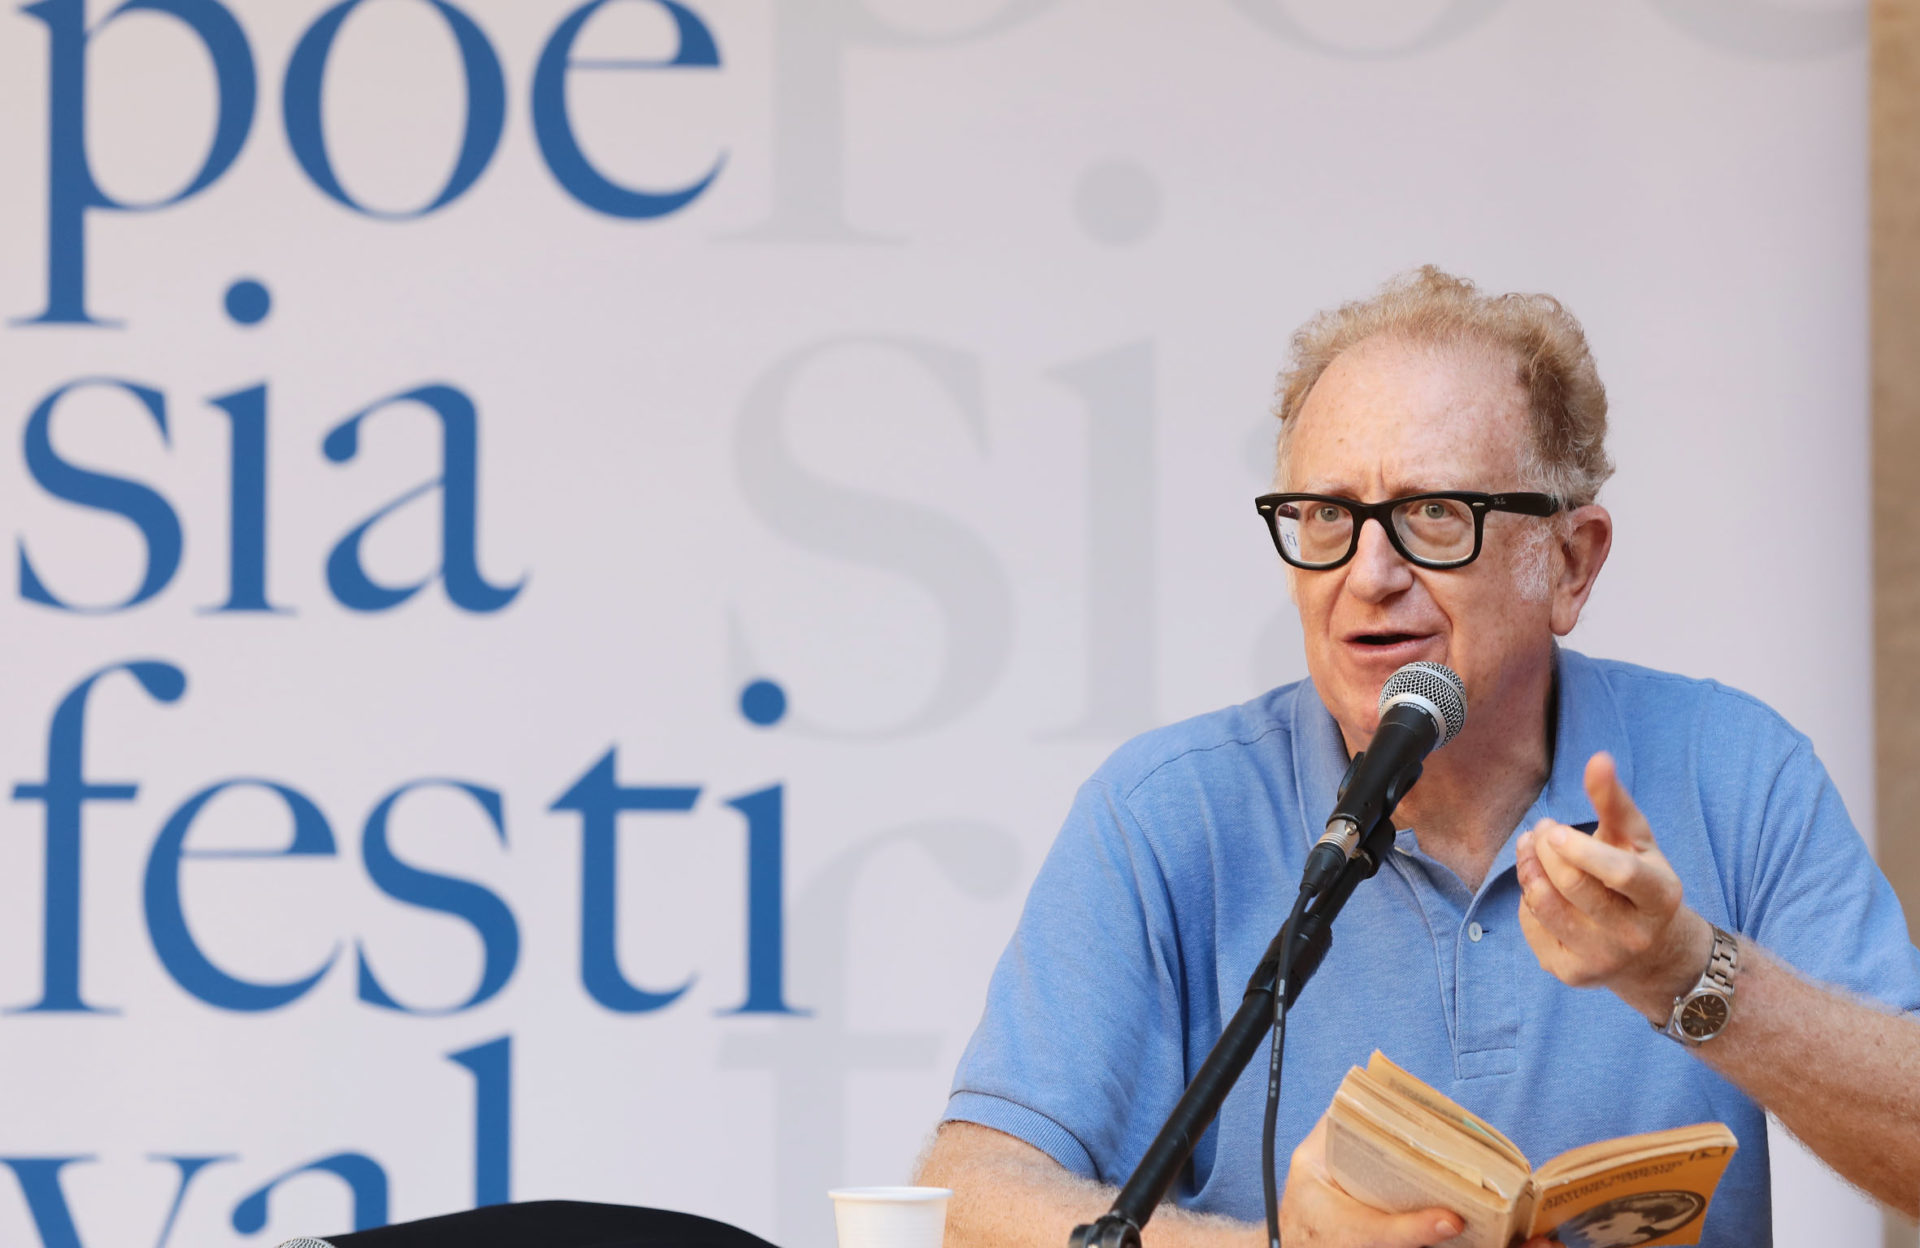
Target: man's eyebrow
x=1340 y=489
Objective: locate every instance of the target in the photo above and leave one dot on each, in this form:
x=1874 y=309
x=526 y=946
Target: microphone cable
x=1269 y=1179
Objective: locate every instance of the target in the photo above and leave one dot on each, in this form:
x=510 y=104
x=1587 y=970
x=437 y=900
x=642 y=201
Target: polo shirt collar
x=1587 y=720
x=1319 y=758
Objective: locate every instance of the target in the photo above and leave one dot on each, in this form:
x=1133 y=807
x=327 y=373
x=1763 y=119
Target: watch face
x=1702 y=1017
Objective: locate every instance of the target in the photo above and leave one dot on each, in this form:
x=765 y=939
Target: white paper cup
x=890 y=1217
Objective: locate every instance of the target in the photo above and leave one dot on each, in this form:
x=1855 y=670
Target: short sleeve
x=1080 y=1051
x=1815 y=898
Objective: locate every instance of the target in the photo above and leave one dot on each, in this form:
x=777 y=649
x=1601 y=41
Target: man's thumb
x=1420 y=1229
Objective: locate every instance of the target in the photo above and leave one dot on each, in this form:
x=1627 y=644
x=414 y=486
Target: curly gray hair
x=1552 y=364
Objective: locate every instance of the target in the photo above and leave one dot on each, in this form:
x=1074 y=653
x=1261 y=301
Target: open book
x=1398 y=1145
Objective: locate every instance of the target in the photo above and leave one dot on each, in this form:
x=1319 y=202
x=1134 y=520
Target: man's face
x=1390 y=418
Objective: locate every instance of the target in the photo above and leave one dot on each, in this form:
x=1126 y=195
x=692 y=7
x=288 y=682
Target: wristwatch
x=1704 y=1012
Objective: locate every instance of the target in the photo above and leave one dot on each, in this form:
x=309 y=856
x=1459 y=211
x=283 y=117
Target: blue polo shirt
x=1182 y=854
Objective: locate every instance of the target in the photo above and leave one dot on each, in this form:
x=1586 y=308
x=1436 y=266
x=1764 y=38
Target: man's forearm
x=1841 y=1075
x=1606 y=909
x=1008 y=1194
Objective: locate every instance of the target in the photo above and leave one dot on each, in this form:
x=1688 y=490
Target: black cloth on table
x=556 y=1224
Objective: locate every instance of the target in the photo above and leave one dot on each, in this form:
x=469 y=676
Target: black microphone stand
x=1120 y=1226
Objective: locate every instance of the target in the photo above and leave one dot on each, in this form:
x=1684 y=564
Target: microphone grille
x=1437 y=684
x=306 y=1243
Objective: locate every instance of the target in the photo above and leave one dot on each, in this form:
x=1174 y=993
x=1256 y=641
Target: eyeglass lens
x=1437 y=529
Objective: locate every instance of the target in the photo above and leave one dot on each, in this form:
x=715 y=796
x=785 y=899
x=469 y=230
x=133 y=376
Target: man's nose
x=1377 y=571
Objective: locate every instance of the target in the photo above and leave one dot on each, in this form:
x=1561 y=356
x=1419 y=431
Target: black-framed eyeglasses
x=1442 y=529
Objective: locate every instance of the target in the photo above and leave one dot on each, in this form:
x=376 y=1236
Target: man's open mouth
x=1386 y=639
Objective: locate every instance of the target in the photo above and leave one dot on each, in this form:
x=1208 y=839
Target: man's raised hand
x=1605 y=910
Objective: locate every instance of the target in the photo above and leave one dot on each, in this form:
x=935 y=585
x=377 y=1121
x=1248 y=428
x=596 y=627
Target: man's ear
x=1585 y=537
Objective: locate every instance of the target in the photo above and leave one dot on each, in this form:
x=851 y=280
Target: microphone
x=1422 y=707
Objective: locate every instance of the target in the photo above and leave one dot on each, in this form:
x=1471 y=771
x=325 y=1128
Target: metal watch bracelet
x=1704 y=1012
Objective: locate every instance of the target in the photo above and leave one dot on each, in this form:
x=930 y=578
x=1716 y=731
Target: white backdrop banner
x=569 y=557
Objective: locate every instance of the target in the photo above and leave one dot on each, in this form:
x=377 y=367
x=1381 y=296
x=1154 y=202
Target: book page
x=1609 y=1154
x=1381 y=1171
x=1433 y=1136
x=1643 y=1201
x=1386 y=1071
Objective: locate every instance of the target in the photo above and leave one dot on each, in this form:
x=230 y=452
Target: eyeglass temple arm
x=1525 y=504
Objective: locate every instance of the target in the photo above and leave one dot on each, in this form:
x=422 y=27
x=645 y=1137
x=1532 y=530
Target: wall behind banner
x=571 y=556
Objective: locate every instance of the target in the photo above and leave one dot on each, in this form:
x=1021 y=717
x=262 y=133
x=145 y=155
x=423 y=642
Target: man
x=1518 y=971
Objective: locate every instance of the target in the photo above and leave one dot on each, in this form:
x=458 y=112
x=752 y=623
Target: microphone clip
x=1111 y=1230
x=1345 y=841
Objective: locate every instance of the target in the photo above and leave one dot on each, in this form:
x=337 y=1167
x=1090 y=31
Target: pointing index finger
x=1621 y=822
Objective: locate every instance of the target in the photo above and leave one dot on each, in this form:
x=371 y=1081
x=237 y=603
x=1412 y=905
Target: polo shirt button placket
x=1488 y=1013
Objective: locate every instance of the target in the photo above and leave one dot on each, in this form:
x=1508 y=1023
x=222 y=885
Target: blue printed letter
x=491 y=1065
x=142 y=506
x=459 y=488
x=71 y=190
x=600 y=798
x=482 y=908
x=486 y=108
x=553 y=126
x=167 y=919
x=63 y=792
x=246 y=501
x=39 y=1179
x=365 y=1180
x=766 y=904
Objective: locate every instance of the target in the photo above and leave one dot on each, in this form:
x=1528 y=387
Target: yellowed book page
x=1352 y=1100
x=1646 y=1203
x=1627 y=1149
x=1438 y=1137
x=1424 y=1094
x=1379 y=1170
x=1609 y=1162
